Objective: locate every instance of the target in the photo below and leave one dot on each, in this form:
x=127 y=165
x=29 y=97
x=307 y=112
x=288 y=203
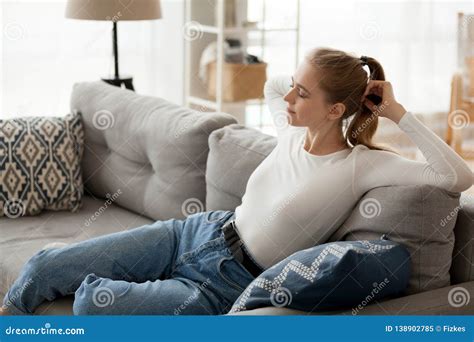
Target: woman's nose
x=289 y=97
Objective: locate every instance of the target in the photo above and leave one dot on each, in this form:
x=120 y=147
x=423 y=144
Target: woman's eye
x=299 y=92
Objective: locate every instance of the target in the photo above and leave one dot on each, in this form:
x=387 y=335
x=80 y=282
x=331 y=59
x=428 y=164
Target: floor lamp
x=114 y=10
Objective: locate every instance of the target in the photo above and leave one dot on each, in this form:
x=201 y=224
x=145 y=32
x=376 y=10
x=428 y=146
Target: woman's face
x=307 y=106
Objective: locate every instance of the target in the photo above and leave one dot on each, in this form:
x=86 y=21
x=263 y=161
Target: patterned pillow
x=333 y=275
x=40 y=164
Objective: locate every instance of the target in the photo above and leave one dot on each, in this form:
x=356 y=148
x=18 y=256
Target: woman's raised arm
x=443 y=167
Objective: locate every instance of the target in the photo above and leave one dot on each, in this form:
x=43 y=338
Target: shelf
x=207 y=19
x=229 y=30
x=205 y=28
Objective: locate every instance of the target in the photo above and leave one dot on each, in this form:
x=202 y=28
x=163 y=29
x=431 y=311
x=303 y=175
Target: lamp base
x=127 y=81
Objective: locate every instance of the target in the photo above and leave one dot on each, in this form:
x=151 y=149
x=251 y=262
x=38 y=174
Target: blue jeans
x=173 y=267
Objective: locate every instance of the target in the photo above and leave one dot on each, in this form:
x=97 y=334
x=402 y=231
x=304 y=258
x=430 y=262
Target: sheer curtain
x=44 y=54
x=415 y=41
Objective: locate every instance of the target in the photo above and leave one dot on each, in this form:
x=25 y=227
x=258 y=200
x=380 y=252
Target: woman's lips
x=290 y=111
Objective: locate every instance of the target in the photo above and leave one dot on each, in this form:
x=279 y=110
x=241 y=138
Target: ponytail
x=363 y=126
x=345 y=81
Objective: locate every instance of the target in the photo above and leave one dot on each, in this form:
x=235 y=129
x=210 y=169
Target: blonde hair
x=344 y=80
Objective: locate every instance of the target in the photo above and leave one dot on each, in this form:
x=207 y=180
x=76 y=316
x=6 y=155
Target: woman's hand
x=389 y=107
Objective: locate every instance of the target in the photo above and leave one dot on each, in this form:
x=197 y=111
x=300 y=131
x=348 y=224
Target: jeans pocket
x=198 y=252
x=234 y=273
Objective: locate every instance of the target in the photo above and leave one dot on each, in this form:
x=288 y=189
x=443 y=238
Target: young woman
x=296 y=198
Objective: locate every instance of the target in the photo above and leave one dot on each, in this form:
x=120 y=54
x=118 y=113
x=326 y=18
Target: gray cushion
x=40 y=164
x=411 y=215
x=330 y=276
x=154 y=151
x=234 y=152
x=463 y=254
x=22 y=237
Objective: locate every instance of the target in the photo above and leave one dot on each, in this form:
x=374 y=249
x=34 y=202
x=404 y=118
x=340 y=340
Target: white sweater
x=295 y=200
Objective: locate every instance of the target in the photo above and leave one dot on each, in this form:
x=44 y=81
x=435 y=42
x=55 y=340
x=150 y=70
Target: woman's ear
x=336 y=111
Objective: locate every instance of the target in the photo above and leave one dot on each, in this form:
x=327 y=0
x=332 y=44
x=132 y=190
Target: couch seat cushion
x=22 y=237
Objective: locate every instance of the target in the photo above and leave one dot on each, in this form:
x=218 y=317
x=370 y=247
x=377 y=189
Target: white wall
x=44 y=54
x=168 y=52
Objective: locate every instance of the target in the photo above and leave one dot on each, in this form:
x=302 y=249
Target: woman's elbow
x=462 y=181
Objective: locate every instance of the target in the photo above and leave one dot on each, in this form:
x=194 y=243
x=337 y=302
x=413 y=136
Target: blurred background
x=421 y=44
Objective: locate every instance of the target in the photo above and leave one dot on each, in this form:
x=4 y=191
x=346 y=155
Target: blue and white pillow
x=333 y=275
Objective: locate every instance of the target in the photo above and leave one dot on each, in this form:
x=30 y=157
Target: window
x=44 y=54
x=415 y=41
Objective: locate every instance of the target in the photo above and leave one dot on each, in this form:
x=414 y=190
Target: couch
x=167 y=161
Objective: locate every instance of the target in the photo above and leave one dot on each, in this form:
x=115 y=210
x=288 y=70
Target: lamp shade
x=115 y=10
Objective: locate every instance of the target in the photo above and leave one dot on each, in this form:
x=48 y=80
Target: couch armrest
x=434 y=302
